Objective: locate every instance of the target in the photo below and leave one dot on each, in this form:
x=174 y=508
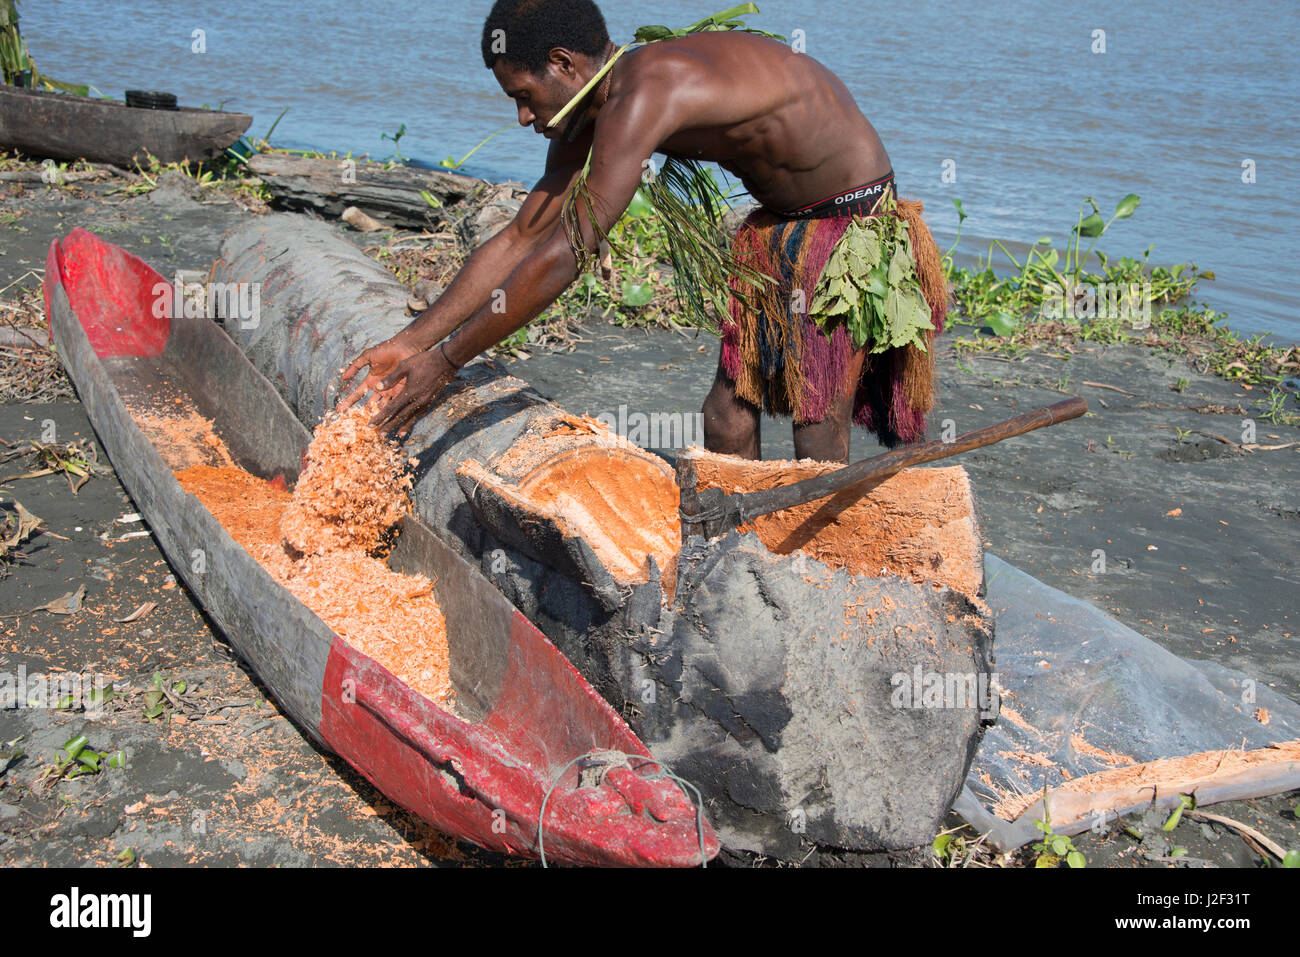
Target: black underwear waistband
x=859 y=201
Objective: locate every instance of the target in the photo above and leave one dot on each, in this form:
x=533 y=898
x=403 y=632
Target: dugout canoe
x=773 y=667
x=65 y=126
x=528 y=722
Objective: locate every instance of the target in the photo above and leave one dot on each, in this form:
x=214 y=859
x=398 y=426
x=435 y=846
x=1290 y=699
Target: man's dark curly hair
x=532 y=28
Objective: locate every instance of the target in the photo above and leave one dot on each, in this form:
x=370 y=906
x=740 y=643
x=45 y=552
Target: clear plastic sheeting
x=1082 y=694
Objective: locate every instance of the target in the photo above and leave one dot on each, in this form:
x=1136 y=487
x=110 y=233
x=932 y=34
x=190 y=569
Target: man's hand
x=422 y=377
x=382 y=361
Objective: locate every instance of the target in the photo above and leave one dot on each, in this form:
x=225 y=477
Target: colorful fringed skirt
x=777 y=356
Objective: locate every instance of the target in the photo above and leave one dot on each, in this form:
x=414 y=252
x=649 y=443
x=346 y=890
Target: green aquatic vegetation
x=1038 y=303
x=15 y=61
x=76 y=758
x=77 y=461
x=1186 y=802
x=953 y=850
x=688 y=205
x=1274 y=408
x=160 y=699
x=396 y=137
x=635 y=293
x=725 y=20
x=267 y=138
x=451 y=162
x=224 y=173
x=1045 y=284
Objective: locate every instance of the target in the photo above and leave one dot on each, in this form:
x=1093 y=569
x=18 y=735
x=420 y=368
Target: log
x=15 y=337
x=393 y=196
x=766 y=679
x=55 y=178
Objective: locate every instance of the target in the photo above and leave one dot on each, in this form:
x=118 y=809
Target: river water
x=1016 y=103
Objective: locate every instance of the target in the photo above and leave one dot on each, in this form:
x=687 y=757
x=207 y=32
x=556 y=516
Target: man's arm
x=490 y=264
x=627 y=131
x=487 y=268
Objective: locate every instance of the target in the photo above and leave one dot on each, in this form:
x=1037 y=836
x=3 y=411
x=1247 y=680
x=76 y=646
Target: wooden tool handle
x=710 y=515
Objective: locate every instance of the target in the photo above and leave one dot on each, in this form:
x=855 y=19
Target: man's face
x=539 y=97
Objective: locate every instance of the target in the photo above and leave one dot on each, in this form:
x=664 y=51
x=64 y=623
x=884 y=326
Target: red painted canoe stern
x=488 y=779
x=124 y=304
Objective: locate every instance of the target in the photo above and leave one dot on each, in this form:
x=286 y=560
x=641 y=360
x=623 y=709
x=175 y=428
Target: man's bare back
x=779 y=121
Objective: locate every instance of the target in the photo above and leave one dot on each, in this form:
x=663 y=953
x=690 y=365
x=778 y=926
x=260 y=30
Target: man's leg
x=731 y=425
x=828 y=440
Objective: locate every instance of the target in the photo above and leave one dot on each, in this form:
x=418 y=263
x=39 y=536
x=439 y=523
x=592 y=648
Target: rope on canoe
x=597 y=764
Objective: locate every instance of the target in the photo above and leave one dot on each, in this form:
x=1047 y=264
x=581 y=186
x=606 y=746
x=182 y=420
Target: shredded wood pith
x=352 y=492
x=322 y=540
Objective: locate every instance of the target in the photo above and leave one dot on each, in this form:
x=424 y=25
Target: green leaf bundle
x=870 y=286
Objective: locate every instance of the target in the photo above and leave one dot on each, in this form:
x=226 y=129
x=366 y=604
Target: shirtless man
x=778 y=120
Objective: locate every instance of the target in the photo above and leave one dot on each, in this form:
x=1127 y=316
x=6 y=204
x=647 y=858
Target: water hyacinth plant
x=1003 y=302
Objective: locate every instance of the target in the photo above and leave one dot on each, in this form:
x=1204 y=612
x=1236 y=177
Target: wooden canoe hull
x=69 y=127
x=529 y=713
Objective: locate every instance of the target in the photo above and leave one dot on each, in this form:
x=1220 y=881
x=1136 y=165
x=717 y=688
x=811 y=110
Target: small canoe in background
x=68 y=127
x=525 y=719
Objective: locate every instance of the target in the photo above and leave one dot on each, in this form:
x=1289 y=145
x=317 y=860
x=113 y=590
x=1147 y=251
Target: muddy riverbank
x=1195 y=520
